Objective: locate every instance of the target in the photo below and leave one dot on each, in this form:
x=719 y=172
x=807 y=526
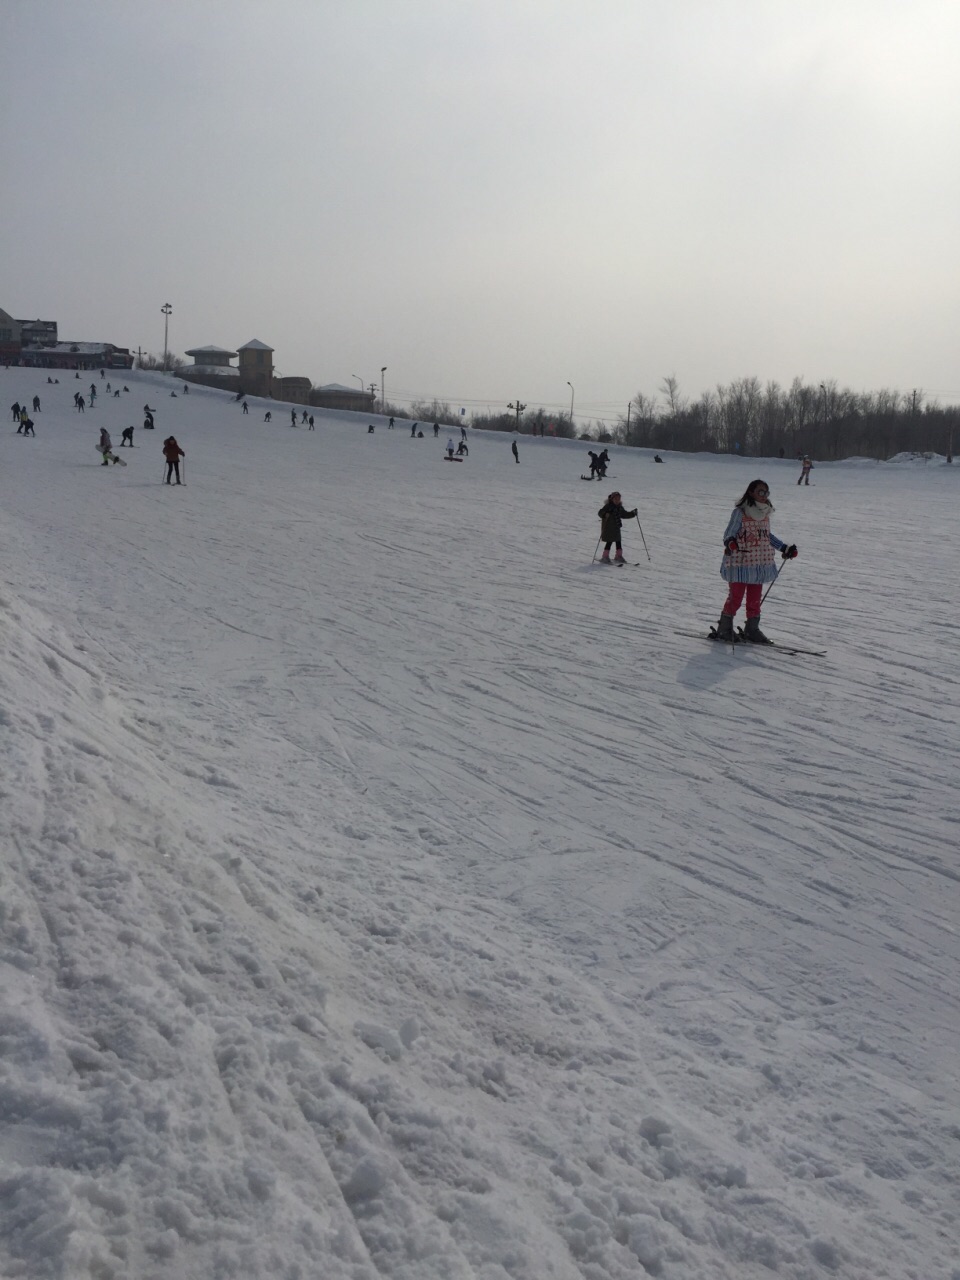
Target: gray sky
x=494 y=198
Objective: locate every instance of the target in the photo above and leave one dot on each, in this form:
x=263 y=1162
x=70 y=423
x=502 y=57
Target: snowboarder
x=126 y=437
x=370 y=429
x=612 y=515
x=462 y=449
x=463 y=432
x=413 y=432
x=36 y=404
x=173 y=453
x=748 y=561
x=515 y=451
x=27 y=427
x=450 y=446
x=657 y=458
x=268 y=416
x=148 y=423
x=806 y=466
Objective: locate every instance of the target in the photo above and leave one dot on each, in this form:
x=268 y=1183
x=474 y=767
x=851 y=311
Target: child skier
x=806 y=466
x=748 y=561
x=173 y=453
x=612 y=514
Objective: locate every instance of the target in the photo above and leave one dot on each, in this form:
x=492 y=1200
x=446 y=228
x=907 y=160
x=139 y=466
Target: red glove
x=732 y=545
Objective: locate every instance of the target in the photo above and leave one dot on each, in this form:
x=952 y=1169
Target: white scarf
x=757 y=510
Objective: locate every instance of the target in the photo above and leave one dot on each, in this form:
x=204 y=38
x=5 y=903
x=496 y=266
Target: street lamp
x=382 y=400
x=359 y=379
x=570 y=385
x=165 y=311
x=824 y=390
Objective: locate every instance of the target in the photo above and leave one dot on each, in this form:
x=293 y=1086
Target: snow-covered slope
x=386 y=891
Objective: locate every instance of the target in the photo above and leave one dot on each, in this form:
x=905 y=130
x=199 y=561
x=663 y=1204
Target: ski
x=739 y=640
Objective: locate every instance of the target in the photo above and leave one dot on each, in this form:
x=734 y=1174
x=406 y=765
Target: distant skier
x=310 y=426
x=370 y=429
x=148 y=424
x=105 y=445
x=463 y=432
x=436 y=430
x=268 y=416
x=36 y=404
x=450 y=447
x=462 y=449
x=391 y=424
x=304 y=418
x=28 y=427
x=515 y=451
x=173 y=453
x=612 y=516
x=748 y=561
x=245 y=407
x=80 y=404
x=413 y=432
x=594 y=463
x=126 y=437
x=293 y=417
x=603 y=461
x=806 y=466
x=657 y=458
x=15 y=410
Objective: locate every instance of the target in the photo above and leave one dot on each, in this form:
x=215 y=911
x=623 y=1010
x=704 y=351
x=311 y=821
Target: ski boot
x=618 y=558
x=724 y=629
x=605 y=558
x=753 y=633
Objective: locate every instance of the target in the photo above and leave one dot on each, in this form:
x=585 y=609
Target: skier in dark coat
x=15 y=410
x=126 y=437
x=515 y=451
x=612 y=514
x=594 y=464
x=173 y=453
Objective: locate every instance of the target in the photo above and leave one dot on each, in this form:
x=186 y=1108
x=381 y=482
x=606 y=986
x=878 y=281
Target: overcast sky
x=494 y=198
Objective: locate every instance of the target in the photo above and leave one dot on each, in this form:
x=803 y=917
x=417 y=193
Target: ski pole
x=642 y=538
x=773 y=583
x=599 y=540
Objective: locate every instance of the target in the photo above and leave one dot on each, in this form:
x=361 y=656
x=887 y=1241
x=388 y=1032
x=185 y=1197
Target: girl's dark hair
x=749 y=491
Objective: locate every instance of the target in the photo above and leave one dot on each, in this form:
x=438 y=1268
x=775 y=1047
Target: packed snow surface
x=389 y=892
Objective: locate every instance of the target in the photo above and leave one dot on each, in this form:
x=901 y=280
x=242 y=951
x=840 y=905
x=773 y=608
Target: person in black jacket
x=612 y=514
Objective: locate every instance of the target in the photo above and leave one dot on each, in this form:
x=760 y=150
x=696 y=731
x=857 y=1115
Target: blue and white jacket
x=754 y=561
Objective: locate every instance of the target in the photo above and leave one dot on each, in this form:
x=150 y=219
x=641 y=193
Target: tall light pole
x=382 y=401
x=570 y=385
x=824 y=390
x=165 y=310
x=358 y=378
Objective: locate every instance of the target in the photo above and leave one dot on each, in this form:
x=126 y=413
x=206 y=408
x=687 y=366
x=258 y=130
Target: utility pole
x=518 y=408
x=165 y=309
x=382 y=401
x=372 y=388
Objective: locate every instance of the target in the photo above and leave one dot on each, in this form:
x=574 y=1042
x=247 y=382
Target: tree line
x=823 y=420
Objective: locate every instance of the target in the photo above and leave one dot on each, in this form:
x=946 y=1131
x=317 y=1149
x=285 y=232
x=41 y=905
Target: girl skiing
x=612 y=514
x=748 y=561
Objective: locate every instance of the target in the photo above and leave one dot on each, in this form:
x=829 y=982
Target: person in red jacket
x=173 y=453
